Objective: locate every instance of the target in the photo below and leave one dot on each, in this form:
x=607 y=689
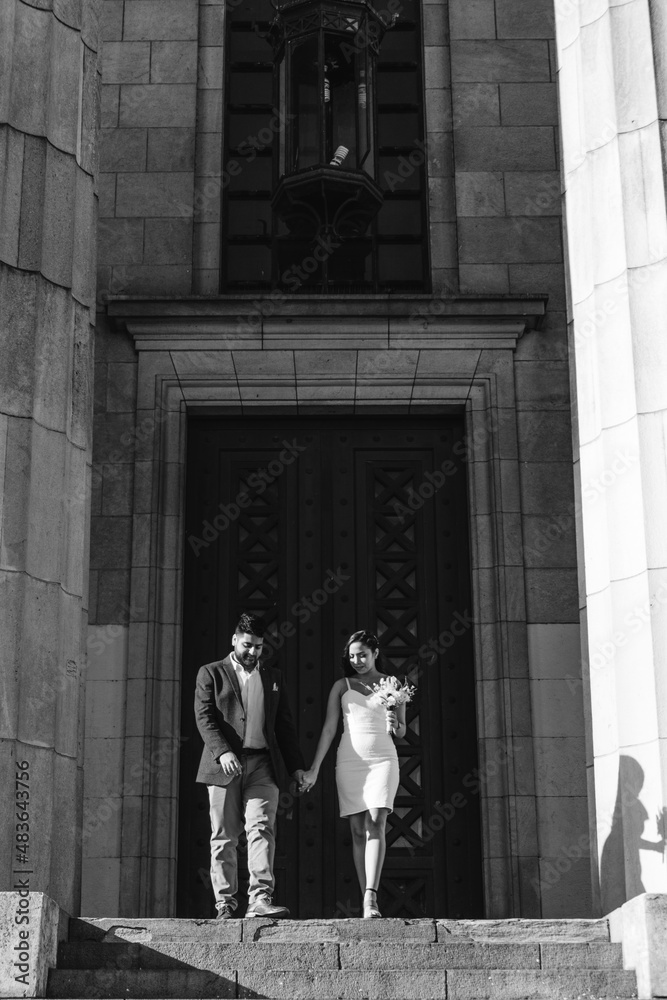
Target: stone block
x=46 y=928
x=18 y=291
x=500 y=61
x=105 y=709
x=100 y=886
x=490 y=279
x=154 y=195
x=472 y=18
x=158 y=279
x=479 y=193
x=111 y=20
x=109 y=105
x=525 y=18
x=505 y=149
x=62 y=95
x=550 y=541
x=640 y=925
x=534 y=278
x=211 y=68
x=173 y=62
x=11 y=170
x=123 y=149
x=126 y=62
x=110 y=542
x=440 y=154
x=171 y=149
x=32 y=204
x=438 y=111
x=436 y=27
x=209 y=110
x=168 y=241
x=495 y=240
x=157 y=105
x=107 y=195
x=533 y=193
x=122 y=388
x=560 y=768
x=113 y=596
x=207 y=247
x=443 y=244
x=106 y=647
x=475 y=105
x=442 y=206
x=544 y=436
x=543 y=386
x=157 y=20
x=116 y=483
x=211 y=25
x=121 y=241
x=529 y=103
x=552 y=595
x=436 y=67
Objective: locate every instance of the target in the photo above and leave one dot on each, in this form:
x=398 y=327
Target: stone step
x=402 y=984
x=297 y=931
x=382 y=955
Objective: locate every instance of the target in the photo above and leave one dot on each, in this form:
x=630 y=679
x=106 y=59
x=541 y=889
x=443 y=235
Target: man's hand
x=308 y=779
x=229 y=763
x=298 y=777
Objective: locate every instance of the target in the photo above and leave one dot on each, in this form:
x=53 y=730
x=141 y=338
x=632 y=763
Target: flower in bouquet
x=390 y=692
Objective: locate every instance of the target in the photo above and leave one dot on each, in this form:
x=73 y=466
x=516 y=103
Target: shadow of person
x=620 y=863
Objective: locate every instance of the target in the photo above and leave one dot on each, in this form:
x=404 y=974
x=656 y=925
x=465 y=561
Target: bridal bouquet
x=391 y=692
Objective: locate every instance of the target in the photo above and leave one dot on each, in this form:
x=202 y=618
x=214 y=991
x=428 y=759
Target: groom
x=244 y=719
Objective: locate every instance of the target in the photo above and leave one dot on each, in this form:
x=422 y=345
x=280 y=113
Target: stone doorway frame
x=189 y=363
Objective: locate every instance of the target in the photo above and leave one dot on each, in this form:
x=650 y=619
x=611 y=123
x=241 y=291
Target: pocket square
x=275 y=686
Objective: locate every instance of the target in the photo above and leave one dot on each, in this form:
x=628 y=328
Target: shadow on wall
x=620 y=865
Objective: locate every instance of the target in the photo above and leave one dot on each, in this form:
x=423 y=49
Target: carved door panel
x=325 y=526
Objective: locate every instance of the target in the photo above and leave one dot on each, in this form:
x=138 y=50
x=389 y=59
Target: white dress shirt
x=252 y=698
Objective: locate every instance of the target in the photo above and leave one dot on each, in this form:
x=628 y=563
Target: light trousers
x=250 y=801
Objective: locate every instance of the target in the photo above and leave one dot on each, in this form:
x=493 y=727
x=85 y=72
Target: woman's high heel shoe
x=370 y=904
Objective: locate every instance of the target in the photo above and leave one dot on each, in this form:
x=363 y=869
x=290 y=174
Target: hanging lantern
x=326 y=53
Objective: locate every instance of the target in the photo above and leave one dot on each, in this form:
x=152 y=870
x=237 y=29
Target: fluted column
x=611 y=80
x=48 y=127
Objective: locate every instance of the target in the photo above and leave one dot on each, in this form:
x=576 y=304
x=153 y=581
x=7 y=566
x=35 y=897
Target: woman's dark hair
x=369 y=639
x=251 y=625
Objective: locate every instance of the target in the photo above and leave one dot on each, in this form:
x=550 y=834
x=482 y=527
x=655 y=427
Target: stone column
x=48 y=123
x=609 y=54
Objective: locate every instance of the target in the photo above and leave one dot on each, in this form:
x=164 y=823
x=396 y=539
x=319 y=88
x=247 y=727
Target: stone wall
x=48 y=136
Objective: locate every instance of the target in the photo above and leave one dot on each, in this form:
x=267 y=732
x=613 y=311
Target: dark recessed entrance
x=325 y=526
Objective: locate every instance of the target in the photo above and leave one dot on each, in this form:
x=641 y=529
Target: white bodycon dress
x=366 y=762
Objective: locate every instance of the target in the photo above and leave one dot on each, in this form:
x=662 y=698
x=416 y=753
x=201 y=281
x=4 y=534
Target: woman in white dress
x=366 y=763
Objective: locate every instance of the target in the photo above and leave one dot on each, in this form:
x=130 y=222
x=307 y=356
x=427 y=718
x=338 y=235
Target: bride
x=366 y=762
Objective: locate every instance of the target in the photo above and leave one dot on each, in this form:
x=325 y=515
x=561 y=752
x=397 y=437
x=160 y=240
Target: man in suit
x=244 y=719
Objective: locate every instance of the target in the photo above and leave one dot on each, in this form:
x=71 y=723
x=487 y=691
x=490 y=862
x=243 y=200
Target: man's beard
x=249 y=661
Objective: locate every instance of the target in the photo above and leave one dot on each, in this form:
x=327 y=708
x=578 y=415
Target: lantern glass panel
x=304 y=105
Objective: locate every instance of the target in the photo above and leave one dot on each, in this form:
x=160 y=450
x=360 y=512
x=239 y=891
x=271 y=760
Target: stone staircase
x=385 y=959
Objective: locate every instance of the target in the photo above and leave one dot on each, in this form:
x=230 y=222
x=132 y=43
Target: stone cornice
x=370 y=321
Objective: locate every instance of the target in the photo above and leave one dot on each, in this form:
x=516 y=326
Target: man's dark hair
x=250 y=624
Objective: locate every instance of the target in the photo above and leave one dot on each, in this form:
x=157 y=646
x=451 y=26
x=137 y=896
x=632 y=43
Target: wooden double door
x=324 y=526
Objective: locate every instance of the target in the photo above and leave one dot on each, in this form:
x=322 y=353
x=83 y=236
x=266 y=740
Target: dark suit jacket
x=221 y=719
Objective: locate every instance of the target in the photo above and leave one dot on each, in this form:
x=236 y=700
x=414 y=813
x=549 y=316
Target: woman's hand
x=308 y=779
x=392 y=721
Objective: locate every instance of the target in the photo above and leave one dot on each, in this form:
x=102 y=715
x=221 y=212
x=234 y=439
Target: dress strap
x=348 y=683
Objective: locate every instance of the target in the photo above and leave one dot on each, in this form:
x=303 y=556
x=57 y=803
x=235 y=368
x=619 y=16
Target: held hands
x=392 y=721
x=230 y=764
x=308 y=779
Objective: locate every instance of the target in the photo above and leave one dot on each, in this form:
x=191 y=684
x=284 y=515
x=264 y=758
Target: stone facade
x=491 y=341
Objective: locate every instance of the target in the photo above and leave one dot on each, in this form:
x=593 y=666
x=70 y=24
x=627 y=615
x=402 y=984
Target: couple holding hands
x=243 y=716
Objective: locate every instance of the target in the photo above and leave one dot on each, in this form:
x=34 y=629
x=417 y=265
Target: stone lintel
x=283 y=322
